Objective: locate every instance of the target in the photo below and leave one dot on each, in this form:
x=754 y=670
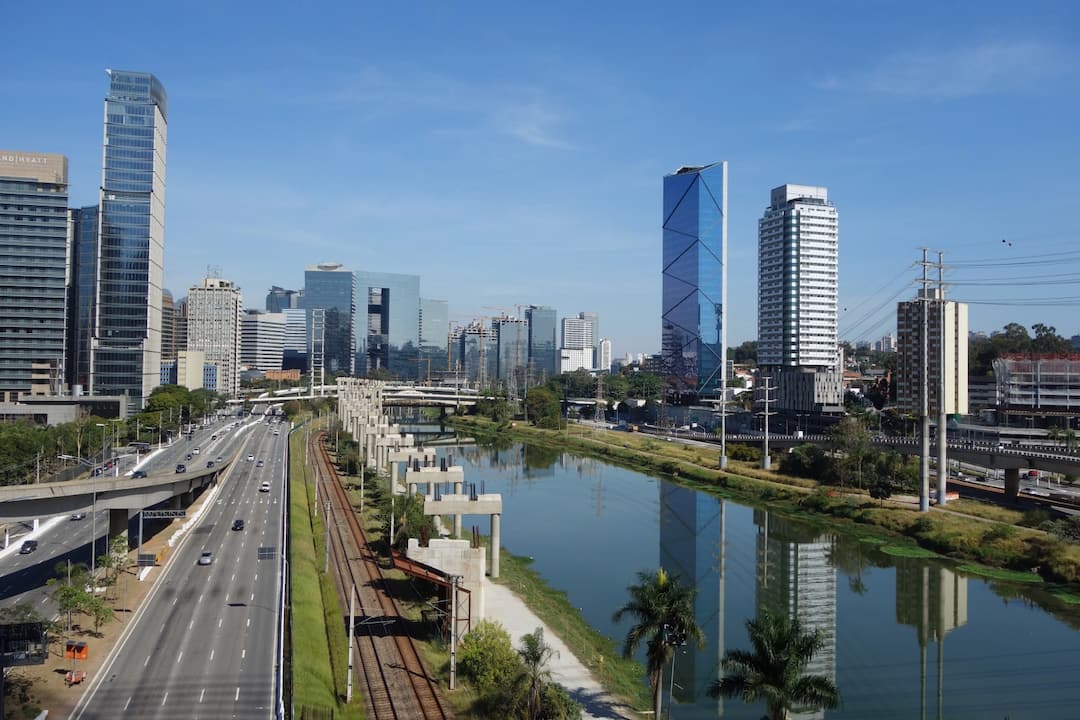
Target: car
x=214 y=436
x=78 y=516
x=188 y=457
x=238 y=524
x=206 y=558
x=265 y=487
x=250 y=458
x=28 y=547
x=209 y=463
x=219 y=459
x=195 y=451
x=181 y=467
x=139 y=474
x=259 y=464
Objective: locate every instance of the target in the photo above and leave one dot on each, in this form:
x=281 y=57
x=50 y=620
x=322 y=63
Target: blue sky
x=514 y=155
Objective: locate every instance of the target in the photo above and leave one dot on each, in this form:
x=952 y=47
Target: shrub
x=487 y=658
x=999 y=532
x=556 y=704
x=743 y=453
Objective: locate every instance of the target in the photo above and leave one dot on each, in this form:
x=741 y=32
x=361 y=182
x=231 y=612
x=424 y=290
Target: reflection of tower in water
x=796 y=580
x=933 y=600
x=692 y=547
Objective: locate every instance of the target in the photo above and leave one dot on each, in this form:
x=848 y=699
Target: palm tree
x=535 y=654
x=773 y=672
x=663 y=608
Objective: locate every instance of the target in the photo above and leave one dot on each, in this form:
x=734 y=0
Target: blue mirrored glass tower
x=693 y=331
x=126 y=344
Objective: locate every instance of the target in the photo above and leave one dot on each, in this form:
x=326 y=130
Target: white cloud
x=988 y=69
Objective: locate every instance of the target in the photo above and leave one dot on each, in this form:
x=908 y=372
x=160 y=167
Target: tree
x=487 y=658
x=542 y=407
x=774 y=670
x=744 y=354
x=535 y=654
x=662 y=607
x=851 y=441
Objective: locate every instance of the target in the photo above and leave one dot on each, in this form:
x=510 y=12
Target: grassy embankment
x=993 y=537
x=318 y=647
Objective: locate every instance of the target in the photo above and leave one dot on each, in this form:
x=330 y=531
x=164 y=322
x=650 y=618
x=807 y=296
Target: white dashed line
x=237 y=696
x=147 y=661
x=179 y=656
x=126 y=704
x=201 y=694
x=219 y=622
x=164 y=699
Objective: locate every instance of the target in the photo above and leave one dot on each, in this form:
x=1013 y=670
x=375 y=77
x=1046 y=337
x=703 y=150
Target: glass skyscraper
x=693 y=332
x=332 y=287
x=33 y=272
x=388 y=329
x=543 y=350
x=126 y=342
x=83 y=294
x=434 y=330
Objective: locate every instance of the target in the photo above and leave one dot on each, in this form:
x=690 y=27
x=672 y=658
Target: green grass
x=620 y=677
x=1065 y=596
x=314 y=610
x=908 y=551
x=1013 y=576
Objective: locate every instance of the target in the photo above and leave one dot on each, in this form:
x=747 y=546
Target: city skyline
x=409 y=149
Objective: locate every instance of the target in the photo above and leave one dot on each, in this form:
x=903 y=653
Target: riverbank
x=983 y=541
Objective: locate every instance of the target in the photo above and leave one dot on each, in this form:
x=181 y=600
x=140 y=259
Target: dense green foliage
x=1014 y=338
x=774 y=670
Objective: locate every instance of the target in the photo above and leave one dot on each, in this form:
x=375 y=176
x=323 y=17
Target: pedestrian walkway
x=514 y=615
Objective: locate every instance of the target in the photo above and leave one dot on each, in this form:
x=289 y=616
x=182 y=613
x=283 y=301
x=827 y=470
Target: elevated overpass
x=400 y=395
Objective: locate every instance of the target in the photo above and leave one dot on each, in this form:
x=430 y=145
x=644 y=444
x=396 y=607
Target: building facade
x=388 y=326
x=214 y=329
x=543 y=350
x=262 y=340
x=82 y=296
x=295 y=344
x=909 y=375
x=798 y=271
x=33 y=273
x=331 y=287
x=126 y=343
x=512 y=336
x=168 y=327
x=279 y=299
x=191 y=370
x=604 y=354
x=434 y=331
x=694 y=282
x=1038 y=384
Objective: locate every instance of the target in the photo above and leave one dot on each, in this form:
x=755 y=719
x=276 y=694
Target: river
x=905 y=638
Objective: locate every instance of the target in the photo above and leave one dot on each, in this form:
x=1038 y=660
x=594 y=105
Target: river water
x=905 y=638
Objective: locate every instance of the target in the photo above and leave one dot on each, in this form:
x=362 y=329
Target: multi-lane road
x=204 y=644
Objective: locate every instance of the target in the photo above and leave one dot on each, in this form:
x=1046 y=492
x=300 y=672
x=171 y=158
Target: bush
x=556 y=704
x=744 y=453
x=999 y=532
x=487 y=658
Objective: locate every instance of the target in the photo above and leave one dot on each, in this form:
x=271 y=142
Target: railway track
x=396 y=682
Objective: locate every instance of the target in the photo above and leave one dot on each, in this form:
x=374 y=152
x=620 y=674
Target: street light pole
x=93 y=507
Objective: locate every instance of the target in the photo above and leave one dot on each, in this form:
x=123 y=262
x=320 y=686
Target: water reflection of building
x=796 y=580
x=933 y=600
x=692 y=546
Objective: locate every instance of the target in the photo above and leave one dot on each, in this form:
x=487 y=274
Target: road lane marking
x=147 y=661
x=252 y=597
x=200 y=597
x=211 y=656
x=237 y=696
x=191 y=625
x=164 y=699
x=243 y=654
x=126 y=704
x=179 y=656
x=249 y=622
x=219 y=622
x=201 y=694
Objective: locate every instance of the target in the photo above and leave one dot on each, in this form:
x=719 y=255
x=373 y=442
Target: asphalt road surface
x=204 y=643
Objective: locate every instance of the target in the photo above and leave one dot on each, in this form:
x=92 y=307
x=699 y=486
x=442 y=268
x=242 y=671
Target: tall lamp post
x=93 y=511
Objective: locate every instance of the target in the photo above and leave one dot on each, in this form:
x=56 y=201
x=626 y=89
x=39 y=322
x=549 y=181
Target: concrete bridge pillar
x=1012 y=483
x=175 y=503
x=457 y=518
x=496 y=541
x=118 y=522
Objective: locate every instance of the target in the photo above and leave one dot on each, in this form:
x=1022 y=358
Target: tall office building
x=262 y=340
x=295 y=347
x=477 y=353
x=388 y=334
x=214 y=326
x=168 y=327
x=331 y=287
x=543 y=351
x=579 y=341
x=126 y=343
x=180 y=319
x=603 y=354
x=434 y=329
x=82 y=295
x=797 y=299
x=279 y=299
x=512 y=336
x=33 y=273
x=909 y=383
x=694 y=295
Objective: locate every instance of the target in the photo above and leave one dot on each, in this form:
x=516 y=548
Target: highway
x=23 y=577
x=204 y=643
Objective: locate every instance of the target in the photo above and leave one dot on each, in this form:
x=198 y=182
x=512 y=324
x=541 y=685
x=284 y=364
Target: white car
x=250 y=458
x=206 y=558
x=265 y=487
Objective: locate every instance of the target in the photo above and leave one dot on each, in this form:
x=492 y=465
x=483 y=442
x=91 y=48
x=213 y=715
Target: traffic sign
x=163 y=514
x=147 y=560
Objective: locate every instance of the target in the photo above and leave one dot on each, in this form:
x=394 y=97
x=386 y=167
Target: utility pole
x=352 y=620
x=942 y=444
x=454 y=579
x=924 y=452
x=326 y=519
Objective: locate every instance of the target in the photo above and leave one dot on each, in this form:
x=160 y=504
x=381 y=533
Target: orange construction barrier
x=74 y=677
x=76 y=650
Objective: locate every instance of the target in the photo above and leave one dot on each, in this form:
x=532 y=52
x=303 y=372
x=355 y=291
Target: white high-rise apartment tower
x=798 y=259
x=214 y=328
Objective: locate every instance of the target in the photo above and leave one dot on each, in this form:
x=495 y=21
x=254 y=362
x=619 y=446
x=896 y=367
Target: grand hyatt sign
x=43 y=167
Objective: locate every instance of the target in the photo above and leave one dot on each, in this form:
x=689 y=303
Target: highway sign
x=163 y=514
